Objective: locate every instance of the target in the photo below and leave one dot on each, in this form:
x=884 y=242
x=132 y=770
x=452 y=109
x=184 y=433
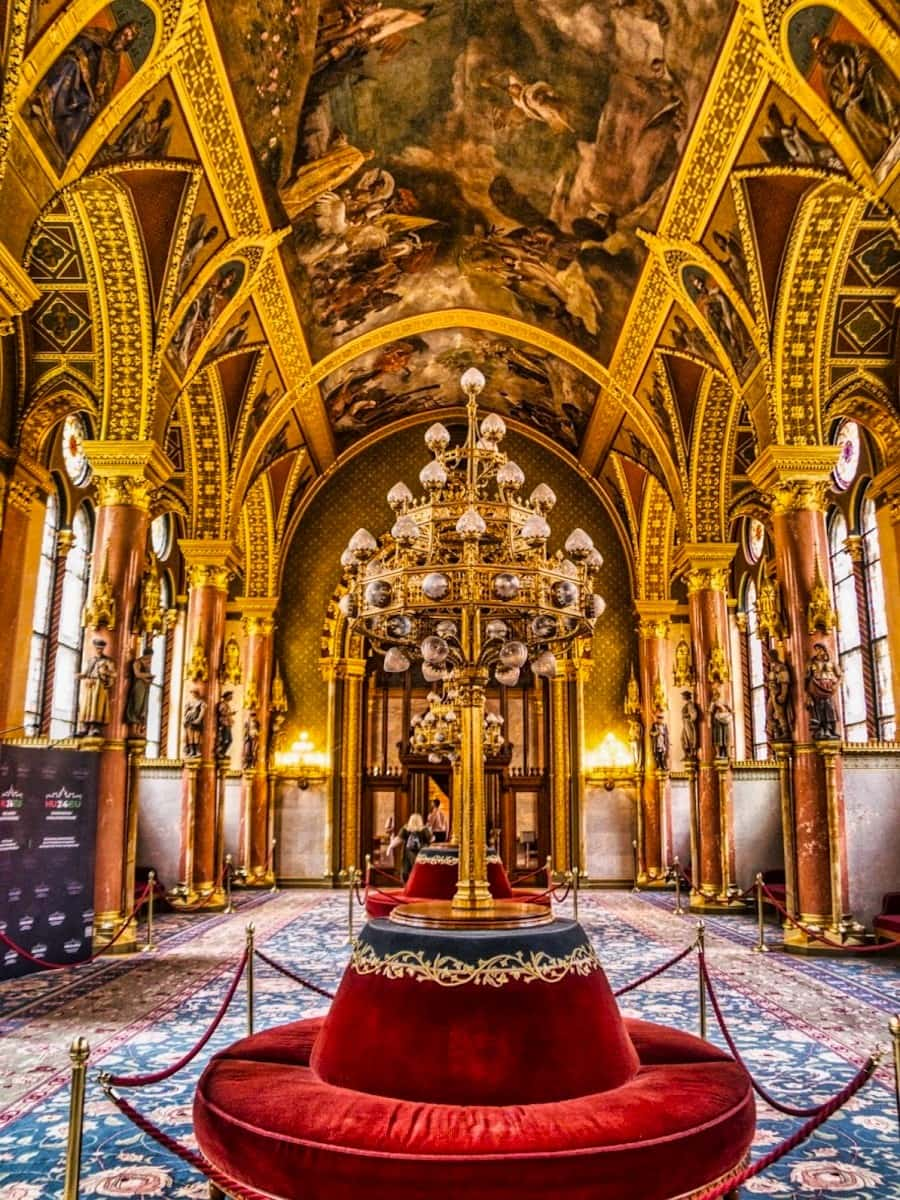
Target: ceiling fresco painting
x=242 y=331
x=266 y=390
x=422 y=374
x=203 y=313
x=490 y=156
x=205 y=235
x=154 y=129
x=721 y=318
x=90 y=72
x=853 y=80
x=41 y=16
x=682 y=334
x=784 y=137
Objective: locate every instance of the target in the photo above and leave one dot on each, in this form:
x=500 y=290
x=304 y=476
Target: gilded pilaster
x=351 y=671
x=258 y=628
x=560 y=786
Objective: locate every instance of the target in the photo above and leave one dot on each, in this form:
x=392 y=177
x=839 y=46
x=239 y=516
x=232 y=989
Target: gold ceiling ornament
x=464 y=583
x=821 y=616
x=100 y=612
x=197 y=667
x=769 y=611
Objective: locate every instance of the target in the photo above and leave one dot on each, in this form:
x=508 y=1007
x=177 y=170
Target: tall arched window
x=756 y=676
x=155 y=732
x=69 y=644
x=873 y=583
x=849 y=638
x=40 y=625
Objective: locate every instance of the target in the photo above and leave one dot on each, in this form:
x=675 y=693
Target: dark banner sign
x=48 y=817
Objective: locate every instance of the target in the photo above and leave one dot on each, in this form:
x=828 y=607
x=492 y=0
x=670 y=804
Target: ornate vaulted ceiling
x=265 y=232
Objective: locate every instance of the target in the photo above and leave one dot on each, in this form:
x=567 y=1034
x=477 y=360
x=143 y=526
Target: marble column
x=654 y=798
x=25 y=503
x=125 y=476
x=210 y=565
x=886 y=494
x=796 y=481
x=706 y=567
x=254 y=842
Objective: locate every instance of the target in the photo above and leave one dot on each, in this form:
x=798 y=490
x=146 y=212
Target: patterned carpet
x=804 y=1027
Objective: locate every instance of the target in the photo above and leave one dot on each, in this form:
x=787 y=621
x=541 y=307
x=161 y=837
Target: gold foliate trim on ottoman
x=447 y=971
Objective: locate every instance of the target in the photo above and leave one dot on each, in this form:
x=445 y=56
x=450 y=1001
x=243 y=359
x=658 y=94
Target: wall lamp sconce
x=302 y=762
x=610 y=763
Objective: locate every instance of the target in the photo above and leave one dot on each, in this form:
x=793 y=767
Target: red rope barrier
x=787 y=1109
x=55 y=966
x=168 y=1072
x=192 y=1157
x=816 y=936
x=202 y=897
x=629 y=987
x=313 y=987
x=732 y=1182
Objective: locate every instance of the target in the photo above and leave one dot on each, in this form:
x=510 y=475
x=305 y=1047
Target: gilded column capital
x=705 y=566
x=654 y=618
x=127 y=472
x=853 y=544
x=255 y=625
x=257 y=615
x=27 y=481
x=794 y=478
x=209 y=563
x=65 y=540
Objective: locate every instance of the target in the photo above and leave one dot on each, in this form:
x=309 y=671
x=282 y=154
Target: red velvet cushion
x=889 y=925
x=272 y=1124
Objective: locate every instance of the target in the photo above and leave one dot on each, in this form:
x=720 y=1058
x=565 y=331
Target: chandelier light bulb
x=435 y=649
x=446 y=629
x=395 y=661
x=493 y=430
x=471 y=524
x=507 y=676
x=433 y=476
x=511 y=476
x=597 y=606
x=362 y=545
x=437 y=437
x=496 y=631
x=435 y=585
x=545 y=665
x=535 y=530
x=399 y=496
x=405 y=531
x=347 y=605
x=595 y=559
x=398 y=626
x=432 y=674
x=348 y=559
x=513 y=654
x=472 y=381
x=579 y=545
x=543 y=498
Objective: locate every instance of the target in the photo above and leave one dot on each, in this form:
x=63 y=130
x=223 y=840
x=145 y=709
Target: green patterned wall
x=356 y=496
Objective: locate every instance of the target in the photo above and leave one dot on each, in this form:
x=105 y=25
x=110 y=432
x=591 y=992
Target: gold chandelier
x=436 y=732
x=465 y=584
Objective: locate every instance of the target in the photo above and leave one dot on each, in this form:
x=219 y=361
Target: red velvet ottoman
x=434 y=877
x=480 y=1065
x=887 y=923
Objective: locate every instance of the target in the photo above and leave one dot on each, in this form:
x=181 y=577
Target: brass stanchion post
x=635 y=868
x=576 y=875
x=679 y=910
x=274 y=887
x=251 y=954
x=548 y=867
x=229 y=871
x=79 y=1053
x=351 y=877
x=894 y=1026
x=760 y=947
x=151 y=885
x=701 y=956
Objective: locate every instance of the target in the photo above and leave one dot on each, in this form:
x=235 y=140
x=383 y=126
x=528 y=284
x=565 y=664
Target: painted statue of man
x=636 y=740
x=779 y=705
x=139 y=690
x=192 y=720
x=720 y=723
x=659 y=740
x=251 y=740
x=823 y=679
x=690 y=714
x=94 y=708
x=224 y=722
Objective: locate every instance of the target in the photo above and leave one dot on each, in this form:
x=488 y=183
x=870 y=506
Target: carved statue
x=224 y=721
x=683 y=672
x=139 y=690
x=821 y=617
x=690 y=715
x=152 y=616
x=659 y=740
x=779 y=703
x=231 y=661
x=193 y=719
x=636 y=740
x=197 y=668
x=823 y=678
x=97 y=682
x=102 y=609
x=251 y=740
x=720 y=723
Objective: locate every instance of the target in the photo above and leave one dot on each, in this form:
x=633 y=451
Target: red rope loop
x=202 y=897
x=554 y=892
x=787 y=1109
x=733 y=1182
x=168 y=1072
x=55 y=966
x=629 y=987
x=816 y=936
x=313 y=987
x=192 y=1157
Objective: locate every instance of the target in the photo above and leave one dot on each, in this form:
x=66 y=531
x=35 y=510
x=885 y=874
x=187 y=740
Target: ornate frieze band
x=496 y=971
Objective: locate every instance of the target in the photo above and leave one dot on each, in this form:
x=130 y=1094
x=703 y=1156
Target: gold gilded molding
x=794 y=477
x=210 y=563
x=257 y=519
x=496 y=971
x=711 y=465
x=257 y=626
x=197 y=667
x=705 y=566
x=127 y=472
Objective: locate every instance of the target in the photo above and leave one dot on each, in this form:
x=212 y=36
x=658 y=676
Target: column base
x=106 y=928
x=798 y=942
x=699 y=903
x=199 y=902
x=258 y=879
x=653 y=883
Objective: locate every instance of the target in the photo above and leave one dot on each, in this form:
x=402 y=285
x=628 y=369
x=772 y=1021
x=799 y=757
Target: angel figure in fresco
x=198 y=238
x=81 y=83
x=145 y=136
x=354 y=28
x=862 y=91
x=733 y=260
x=203 y=312
x=531 y=102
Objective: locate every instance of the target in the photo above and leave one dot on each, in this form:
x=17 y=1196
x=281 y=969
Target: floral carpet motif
x=803 y=1025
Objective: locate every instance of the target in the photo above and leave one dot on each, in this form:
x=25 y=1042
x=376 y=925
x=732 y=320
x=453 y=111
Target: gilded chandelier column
x=705 y=566
x=561 y=774
x=25 y=498
x=472 y=892
x=796 y=481
x=126 y=474
x=653 y=632
x=351 y=673
x=210 y=565
x=259 y=631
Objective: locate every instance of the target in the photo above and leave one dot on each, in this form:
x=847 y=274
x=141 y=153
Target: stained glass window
x=74 y=459
x=885 y=717
x=847 y=441
x=849 y=639
x=757 y=678
x=68 y=649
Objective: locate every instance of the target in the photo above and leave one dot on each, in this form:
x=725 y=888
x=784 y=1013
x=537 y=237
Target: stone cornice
x=779 y=467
